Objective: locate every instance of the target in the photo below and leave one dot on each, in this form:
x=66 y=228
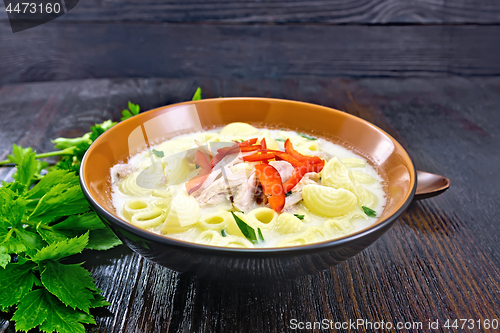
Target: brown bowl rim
x=290 y=250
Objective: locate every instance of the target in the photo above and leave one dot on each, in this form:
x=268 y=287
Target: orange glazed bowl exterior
x=244 y=264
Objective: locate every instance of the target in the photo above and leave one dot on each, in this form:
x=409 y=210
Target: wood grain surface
x=290 y=11
x=439 y=261
x=64 y=51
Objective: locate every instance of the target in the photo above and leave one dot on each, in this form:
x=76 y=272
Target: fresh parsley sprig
x=133 y=109
x=40 y=226
x=44 y=219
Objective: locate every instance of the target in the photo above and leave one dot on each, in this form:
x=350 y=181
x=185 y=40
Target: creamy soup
x=242 y=186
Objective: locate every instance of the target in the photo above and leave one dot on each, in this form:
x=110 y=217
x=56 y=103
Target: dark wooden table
x=440 y=261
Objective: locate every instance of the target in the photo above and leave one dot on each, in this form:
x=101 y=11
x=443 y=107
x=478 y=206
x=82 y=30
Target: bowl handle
x=430 y=185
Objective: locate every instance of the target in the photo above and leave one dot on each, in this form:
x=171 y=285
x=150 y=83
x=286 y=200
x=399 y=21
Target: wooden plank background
x=257 y=39
x=439 y=261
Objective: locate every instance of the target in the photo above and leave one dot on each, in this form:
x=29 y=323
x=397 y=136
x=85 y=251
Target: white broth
x=260 y=194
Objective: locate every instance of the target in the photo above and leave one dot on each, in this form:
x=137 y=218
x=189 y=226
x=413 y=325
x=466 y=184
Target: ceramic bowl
x=133 y=135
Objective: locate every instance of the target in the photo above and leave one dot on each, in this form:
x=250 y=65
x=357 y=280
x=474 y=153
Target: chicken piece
x=296 y=196
x=244 y=197
x=123 y=170
x=220 y=190
x=284 y=168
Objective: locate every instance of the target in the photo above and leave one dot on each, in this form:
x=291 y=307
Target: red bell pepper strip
x=201 y=160
x=258 y=157
x=289 y=159
x=263 y=143
x=250 y=148
x=195 y=183
x=247 y=143
x=272 y=185
x=298 y=156
x=297 y=175
x=223 y=152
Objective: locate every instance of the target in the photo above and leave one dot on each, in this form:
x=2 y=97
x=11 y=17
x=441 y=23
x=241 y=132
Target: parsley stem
x=36 y=224
x=67 y=151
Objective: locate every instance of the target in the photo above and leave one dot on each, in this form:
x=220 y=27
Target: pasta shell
x=183 y=212
x=353 y=162
x=263 y=217
x=238 y=130
x=288 y=223
x=328 y=201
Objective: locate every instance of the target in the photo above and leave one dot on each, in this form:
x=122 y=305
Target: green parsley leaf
x=59 y=201
x=197 y=94
x=369 y=212
x=32 y=310
x=64 y=319
x=281 y=140
x=25 y=171
x=15 y=282
x=4 y=258
x=59 y=250
x=158 y=153
x=69 y=163
x=133 y=109
x=18 y=154
x=306 y=136
x=86 y=221
x=99 y=301
x=288 y=193
x=50 y=180
x=31 y=240
x=246 y=230
x=51 y=236
x=102 y=239
x=39 y=307
x=126 y=114
x=261 y=237
x=10 y=243
x=300 y=217
x=12 y=210
x=72 y=284
x=222 y=232
x=63 y=143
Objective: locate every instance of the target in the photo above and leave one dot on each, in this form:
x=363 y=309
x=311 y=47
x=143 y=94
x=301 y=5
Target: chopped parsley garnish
x=300 y=217
x=223 y=233
x=261 y=237
x=369 y=212
x=307 y=136
x=281 y=140
x=158 y=153
x=288 y=193
x=246 y=230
